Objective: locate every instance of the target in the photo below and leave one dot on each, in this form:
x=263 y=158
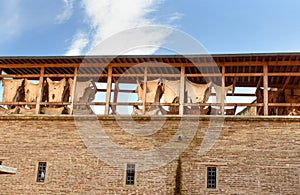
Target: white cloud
x=80 y=41
x=67 y=13
x=109 y=17
x=175 y=16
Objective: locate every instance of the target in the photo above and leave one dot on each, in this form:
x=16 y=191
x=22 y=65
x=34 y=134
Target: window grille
x=41 y=172
x=211 y=177
x=130 y=173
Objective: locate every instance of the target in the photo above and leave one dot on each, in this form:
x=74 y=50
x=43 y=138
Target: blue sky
x=74 y=27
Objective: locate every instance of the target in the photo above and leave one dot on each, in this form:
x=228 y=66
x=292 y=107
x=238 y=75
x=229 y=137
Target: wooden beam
x=40 y=96
x=286 y=83
x=73 y=92
x=108 y=91
x=145 y=90
x=259 y=83
x=265 y=69
x=182 y=90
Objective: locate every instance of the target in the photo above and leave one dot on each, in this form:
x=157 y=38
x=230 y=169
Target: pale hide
x=218 y=90
x=198 y=93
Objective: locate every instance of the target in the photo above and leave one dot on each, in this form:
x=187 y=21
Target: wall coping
x=147 y=118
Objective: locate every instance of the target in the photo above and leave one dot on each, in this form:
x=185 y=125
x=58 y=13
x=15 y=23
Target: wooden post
x=145 y=90
x=182 y=90
x=223 y=90
x=116 y=91
x=108 y=90
x=266 y=89
x=39 y=98
x=73 y=91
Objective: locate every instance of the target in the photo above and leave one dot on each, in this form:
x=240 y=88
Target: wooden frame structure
x=271 y=70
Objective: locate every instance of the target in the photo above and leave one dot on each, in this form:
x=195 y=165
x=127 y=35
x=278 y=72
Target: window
x=41 y=172
x=211 y=177
x=0 y=162
x=130 y=172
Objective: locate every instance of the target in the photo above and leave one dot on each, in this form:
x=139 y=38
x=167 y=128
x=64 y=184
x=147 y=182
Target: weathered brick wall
x=252 y=155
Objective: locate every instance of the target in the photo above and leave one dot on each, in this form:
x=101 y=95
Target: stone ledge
x=145 y=117
x=7 y=170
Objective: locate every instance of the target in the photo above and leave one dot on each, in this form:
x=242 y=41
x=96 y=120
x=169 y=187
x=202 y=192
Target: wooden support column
x=223 y=90
x=116 y=92
x=233 y=87
x=73 y=91
x=108 y=90
x=39 y=98
x=182 y=90
x=265 y=68
x=145 y=90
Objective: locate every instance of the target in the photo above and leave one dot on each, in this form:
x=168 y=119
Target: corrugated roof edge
x=154 y=56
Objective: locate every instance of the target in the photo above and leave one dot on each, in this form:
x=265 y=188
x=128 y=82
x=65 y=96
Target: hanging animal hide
x=13 y=90
x=56 y=90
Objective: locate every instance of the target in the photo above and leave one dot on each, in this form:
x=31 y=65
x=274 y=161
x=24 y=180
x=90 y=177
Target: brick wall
x=253 y=155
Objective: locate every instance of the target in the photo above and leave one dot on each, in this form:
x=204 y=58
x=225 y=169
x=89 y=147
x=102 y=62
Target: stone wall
x=253 y=155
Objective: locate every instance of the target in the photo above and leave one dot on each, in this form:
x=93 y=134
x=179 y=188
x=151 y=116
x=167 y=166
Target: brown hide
x=32 y=92
x=137 y=111
x=13 y=90
x=227 y=111
x=294 y=112
x=273 y=97
x=154 y=90
x=53 y=111
x=56 y=90
x=84 y=92
x=292 y=99
x=80 y=90
x=9 y=111
x=27 y=111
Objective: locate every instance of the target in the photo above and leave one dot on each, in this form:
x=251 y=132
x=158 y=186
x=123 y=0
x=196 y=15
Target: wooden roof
x=244 y=70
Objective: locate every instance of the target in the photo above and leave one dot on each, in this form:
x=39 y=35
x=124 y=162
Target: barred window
x=41 y=172
x=211 y=177
x=130 y=173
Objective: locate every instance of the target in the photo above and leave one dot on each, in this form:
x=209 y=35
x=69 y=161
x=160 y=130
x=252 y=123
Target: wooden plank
x=73 y=92
x=108 y=91
x=182 y=90
x=145 y=90
x=40 y=96
x=265 y=69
